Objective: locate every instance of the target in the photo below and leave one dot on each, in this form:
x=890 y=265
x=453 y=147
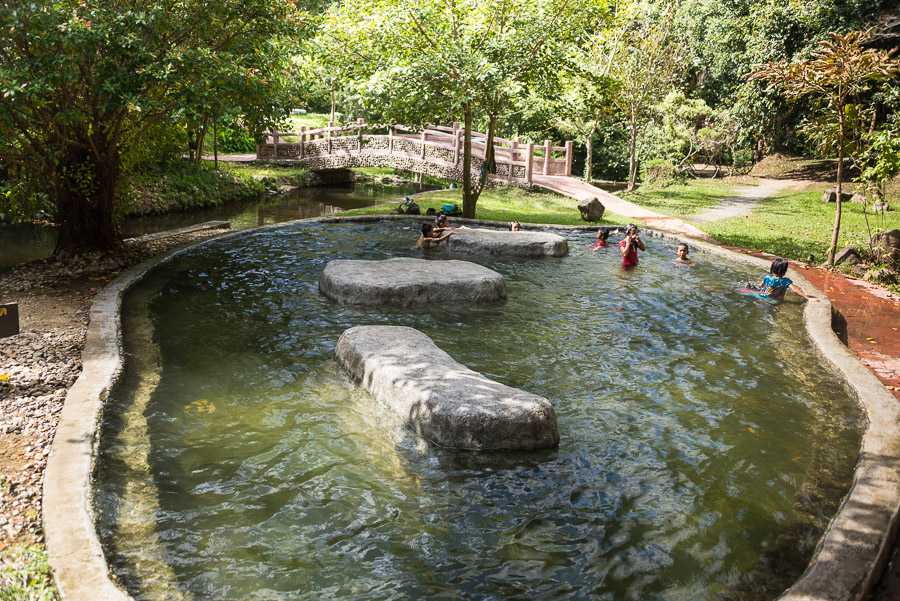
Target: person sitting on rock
x=430 y=236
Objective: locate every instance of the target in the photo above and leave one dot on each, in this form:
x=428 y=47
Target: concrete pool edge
x=846 y=563
x=851 y=554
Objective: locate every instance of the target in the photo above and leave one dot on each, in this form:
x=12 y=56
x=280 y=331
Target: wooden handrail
x=512 y=153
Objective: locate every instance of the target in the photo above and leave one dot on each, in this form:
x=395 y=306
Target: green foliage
x=726 y=38
x=660 y=173
x=82 y=82
x=838 y=72
x=235 y=140
x=187 y=185
x=882 y=162
x=25 y=575
x=418 y=61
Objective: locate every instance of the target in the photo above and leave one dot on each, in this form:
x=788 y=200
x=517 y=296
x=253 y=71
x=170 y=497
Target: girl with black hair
x=774 y=284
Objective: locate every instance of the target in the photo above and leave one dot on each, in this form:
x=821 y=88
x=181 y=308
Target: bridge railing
x=513 y=160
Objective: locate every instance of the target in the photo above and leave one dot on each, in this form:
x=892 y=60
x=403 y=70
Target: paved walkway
x=580 y=190
x=742 y=204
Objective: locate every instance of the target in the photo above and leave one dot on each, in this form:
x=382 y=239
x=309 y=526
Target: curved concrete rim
x=849 y=558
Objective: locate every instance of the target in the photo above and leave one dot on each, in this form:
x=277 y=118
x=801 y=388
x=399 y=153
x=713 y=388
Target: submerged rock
x=408 y=281
x=445 y=402
x=517 y=244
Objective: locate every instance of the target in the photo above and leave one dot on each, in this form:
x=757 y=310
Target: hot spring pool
x=704 y=445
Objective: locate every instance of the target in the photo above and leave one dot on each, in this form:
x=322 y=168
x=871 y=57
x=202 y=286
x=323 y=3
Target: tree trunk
x=632 y=158
x=468 y=199
x=589 y=159
x=215 y=144
x=840 y=176
x=86 y=193
x=333 y=102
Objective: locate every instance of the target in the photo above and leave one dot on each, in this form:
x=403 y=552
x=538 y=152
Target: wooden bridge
x=437 y=151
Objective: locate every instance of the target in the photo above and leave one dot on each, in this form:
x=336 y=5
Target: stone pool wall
x=849 y=558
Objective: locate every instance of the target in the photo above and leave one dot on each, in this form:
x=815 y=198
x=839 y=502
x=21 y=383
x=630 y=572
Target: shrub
x=236 y=140
x=660 y=173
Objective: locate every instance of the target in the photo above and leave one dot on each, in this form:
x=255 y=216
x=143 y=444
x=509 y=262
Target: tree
x=724 y=39
x=834 y=76
x=420 y=61
x=81 y=81
x=644 y=69
x=582 y=100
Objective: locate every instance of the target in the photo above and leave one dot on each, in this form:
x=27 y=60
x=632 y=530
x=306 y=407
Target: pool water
x=704 y=444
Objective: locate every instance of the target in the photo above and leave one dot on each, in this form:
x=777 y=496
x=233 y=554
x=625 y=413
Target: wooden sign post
x=9 y=320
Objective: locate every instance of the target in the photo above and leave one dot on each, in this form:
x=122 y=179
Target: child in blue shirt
x=774 y=284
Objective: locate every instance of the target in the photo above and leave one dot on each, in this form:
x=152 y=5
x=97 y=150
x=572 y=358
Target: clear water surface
x=30 y=241
x=704 y=446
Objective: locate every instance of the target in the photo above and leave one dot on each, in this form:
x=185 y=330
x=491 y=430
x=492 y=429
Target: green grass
x=285 y=174
x=796 y=223
x=691 y=198
x=506 y=203
x=25 y=575
x=308 y=120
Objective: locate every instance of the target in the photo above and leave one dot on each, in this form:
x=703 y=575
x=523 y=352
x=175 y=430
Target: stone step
x=445 y=402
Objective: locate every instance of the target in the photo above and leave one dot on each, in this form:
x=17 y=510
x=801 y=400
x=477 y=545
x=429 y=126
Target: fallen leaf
x=199 y=406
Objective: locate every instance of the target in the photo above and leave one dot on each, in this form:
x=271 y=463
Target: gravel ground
x=38 y=366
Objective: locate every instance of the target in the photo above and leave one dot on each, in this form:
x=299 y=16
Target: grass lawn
x=308 y=120
x=282 y=173
x=507 y=203
x=690 y=198
x=796 y=223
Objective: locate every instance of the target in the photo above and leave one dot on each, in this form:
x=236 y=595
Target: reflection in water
x=30 y=242
x=24 y=243
x=703 y=445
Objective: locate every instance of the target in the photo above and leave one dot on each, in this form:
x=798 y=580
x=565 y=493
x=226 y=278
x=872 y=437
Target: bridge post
x=548 y=150
x=529 y=161
x=568 y=158
x=330 y=125
x=422 y=154
x=391 y=139
x=456 y=143
x=275 y=144
x=302 y=141
x=359 y=134
x=513 y=151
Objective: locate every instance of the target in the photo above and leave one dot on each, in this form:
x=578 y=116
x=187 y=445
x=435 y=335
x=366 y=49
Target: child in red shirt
x=630 y=245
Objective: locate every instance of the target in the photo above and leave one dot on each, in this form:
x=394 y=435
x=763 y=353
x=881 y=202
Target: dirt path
x=746 y=199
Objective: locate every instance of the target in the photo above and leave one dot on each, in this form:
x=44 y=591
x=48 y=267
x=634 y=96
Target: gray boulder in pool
x=517 y=244
x=407 y=281
x=445 y=402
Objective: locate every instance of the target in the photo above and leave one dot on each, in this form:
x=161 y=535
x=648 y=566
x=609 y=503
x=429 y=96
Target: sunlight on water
x=703 y=444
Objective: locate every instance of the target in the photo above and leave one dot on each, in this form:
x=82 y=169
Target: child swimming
x=681 y=251
x=774 y=284
x=602 y=237
x=429 y=236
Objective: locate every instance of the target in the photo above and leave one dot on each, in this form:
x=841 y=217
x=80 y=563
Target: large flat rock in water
x=408 y=281
x=445 y=402
x=517 y=244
